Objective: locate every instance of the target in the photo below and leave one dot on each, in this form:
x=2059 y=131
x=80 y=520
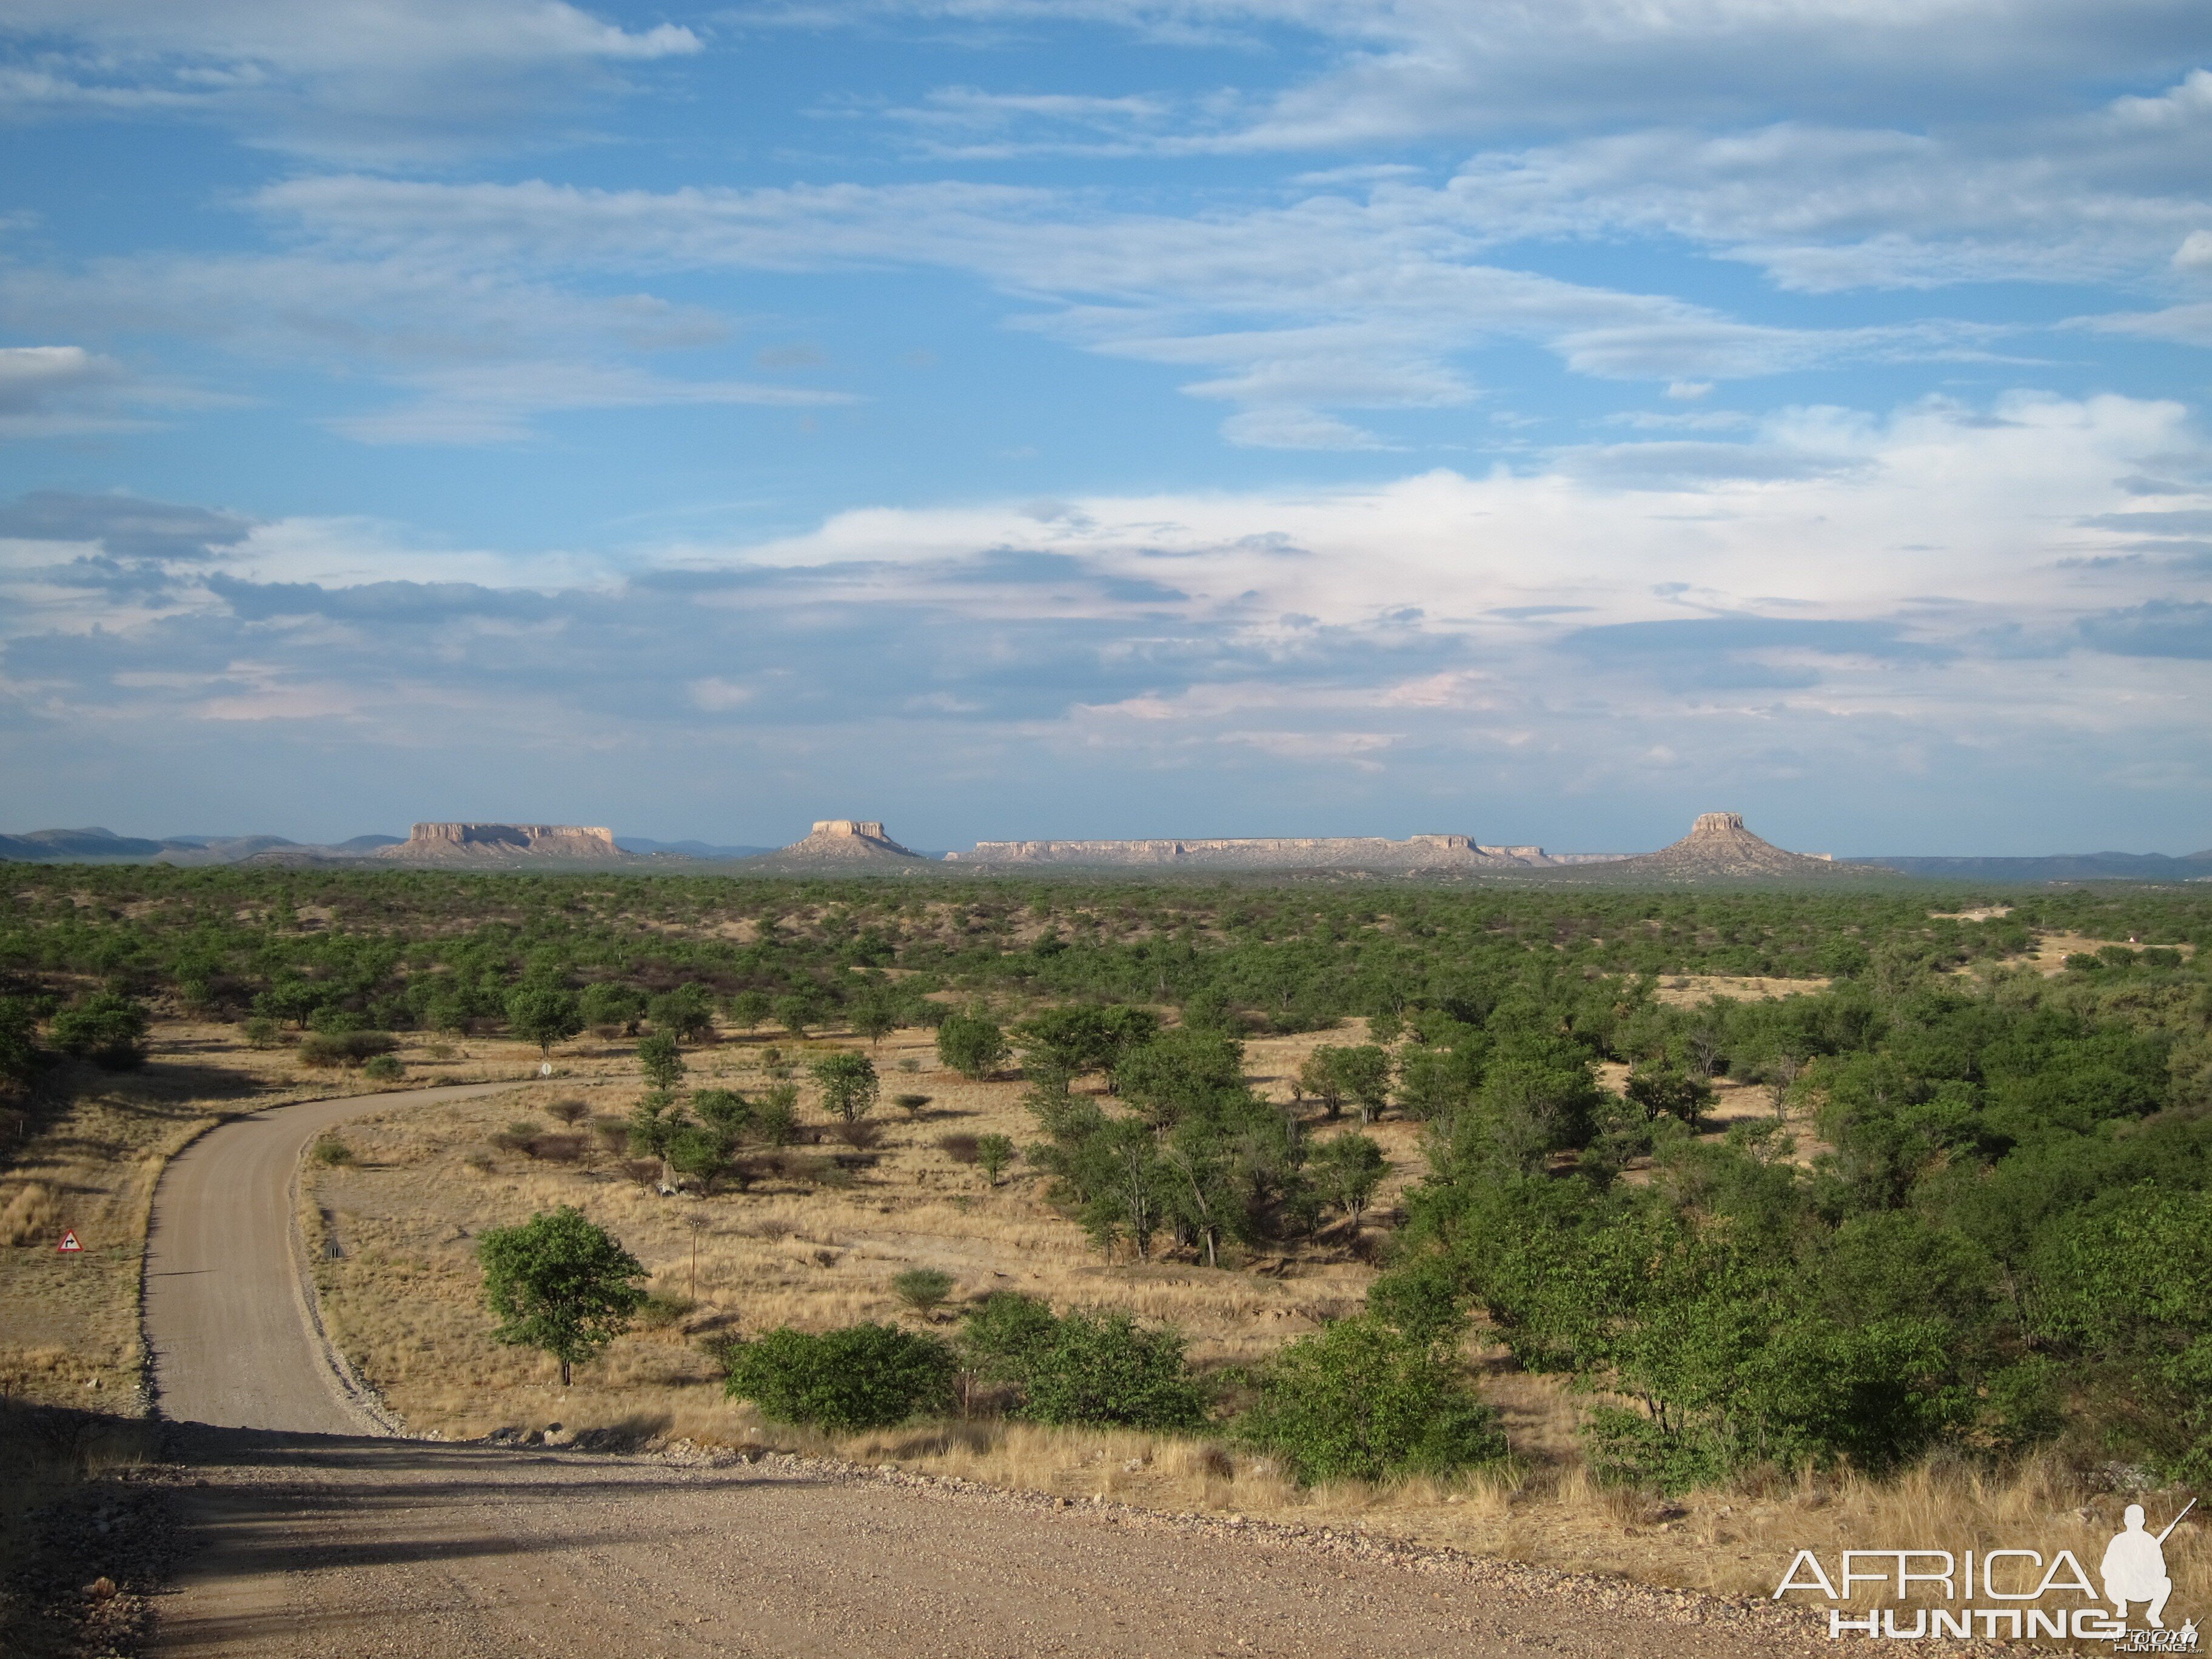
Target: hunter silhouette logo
x=2023 y=1593
x=2134 y=1567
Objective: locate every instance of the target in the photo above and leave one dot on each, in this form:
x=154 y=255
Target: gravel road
x=309 y=1530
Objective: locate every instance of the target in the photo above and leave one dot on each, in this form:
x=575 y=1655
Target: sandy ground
x=330 y=1540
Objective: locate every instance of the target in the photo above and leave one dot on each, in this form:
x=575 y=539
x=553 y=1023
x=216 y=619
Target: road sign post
x=69 y=1246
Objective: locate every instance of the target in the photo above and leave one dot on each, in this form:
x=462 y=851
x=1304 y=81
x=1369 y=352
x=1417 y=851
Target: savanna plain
x=1655 y=1233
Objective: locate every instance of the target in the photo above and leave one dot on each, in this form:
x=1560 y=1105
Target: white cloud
x=499 y=403
x=1946 y=581
x=1324 y=302
x=1287 y=427
x=62 y=391
x=384 y=79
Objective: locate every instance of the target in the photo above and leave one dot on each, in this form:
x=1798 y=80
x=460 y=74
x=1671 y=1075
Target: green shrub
x=1004 y=1333
x=994 y=1153
x=385 y=1068
x=971 y=1044
x=330 y=1152
x=1106 y=1369
x=1359 y=1400
x=922 y=1289
x=659 y=1310
x=324 y=1049
x=864 y=1376
x=106 y=1027
x=1101 y=1369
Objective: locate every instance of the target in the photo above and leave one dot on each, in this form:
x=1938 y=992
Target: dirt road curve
x=228 y=1318
x=310 y=1535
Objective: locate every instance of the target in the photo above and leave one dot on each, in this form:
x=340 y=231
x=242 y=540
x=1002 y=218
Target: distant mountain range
x=687 y=849
x=98 y=846
x=1715 y=847
x=2058 y=866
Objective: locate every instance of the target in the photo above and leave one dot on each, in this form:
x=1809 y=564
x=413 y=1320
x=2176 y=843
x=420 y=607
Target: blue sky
x=1013 y=419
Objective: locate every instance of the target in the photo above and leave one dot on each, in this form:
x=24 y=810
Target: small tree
x=922 y=1289
x=994 y=1153
x=1182 y=1073
x=686 y=1013
x=1349 y=1169
x=726 y=1108
x=971 y=1044
x=848 y=1082
x=875 y=1015
x=544 y=1015
x=661 y=1060
x=609 y=1009
x=702 y=1151
x=559 y=1283
x=750 y=1009
x=570 y=1112
x=1364 y=1074
x=1319 y=1078
x=775 y=1119
x=654 y=1122
x=1664 y=1092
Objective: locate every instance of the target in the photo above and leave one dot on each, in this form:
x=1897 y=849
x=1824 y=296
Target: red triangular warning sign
x=68 y=1242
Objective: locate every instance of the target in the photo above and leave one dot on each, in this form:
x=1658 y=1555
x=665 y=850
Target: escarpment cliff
x=1441 y=852
x=447 y=843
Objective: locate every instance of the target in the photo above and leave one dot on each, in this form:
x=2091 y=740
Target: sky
x=1542 y=422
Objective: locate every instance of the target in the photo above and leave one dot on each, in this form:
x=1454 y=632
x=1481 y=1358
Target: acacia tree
x=1365 y=1074
x=544 y=1015
x=875 y=1015
x=662 y=1060
x=1349 y=1169
x=847 y=1081
x=687 y=1013
x=1319 y=1078
x=971 y=1044
x=559 y=1283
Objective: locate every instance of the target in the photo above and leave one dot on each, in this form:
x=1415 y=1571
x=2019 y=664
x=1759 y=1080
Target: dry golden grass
x=403 y=1295
x=1688 y=990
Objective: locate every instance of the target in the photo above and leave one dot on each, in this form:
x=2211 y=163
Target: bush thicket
x=863 y=1376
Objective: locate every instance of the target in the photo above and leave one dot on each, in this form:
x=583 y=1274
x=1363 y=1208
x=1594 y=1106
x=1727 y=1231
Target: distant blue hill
x=689 y=849
x=2057 y=867
x=76 y=846
x=97 y=846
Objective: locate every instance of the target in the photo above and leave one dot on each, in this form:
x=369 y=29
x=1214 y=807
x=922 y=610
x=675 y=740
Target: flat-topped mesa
x=1719 y=845
x=1254 y=852
x=845 y=840
x=502 y=840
